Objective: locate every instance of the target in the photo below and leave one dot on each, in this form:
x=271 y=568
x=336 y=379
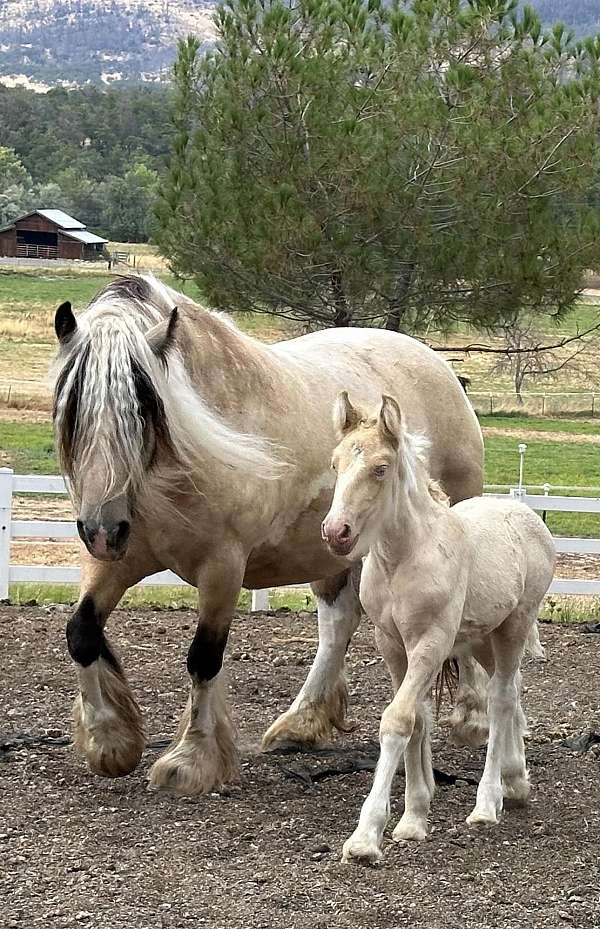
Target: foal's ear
x=345 y=416
x=389 y=420
x=65 y=323
x=162 y=336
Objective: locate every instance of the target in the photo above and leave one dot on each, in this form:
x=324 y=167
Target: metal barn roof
x=88 y=238
x=61 y=219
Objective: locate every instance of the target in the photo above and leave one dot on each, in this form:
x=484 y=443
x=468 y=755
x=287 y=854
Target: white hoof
x=410 y=829
x=361 y=849
x=484 y=816
x=516 y=789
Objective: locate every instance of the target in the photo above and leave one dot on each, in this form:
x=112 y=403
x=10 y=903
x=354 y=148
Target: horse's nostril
x=122 y=533
x=345 y=533
x=87 y=532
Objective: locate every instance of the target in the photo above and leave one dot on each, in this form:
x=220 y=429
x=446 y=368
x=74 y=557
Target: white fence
x=10 y=528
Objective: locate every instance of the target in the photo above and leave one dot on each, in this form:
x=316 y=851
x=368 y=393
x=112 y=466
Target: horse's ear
x=162 y=336
x=389 y=420
x=65 y=323
x=345 y=416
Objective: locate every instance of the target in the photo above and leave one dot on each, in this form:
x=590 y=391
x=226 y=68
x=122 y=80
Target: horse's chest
x=375 y=592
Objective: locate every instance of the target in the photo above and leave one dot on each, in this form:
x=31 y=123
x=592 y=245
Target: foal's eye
x=379 y=471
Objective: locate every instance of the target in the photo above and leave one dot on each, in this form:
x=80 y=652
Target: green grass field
x=27 y=447
x=575 y=426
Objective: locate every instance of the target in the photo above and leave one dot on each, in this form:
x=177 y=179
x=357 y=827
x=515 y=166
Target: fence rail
x=10 y=528
x=488 y=403
x=37 y=251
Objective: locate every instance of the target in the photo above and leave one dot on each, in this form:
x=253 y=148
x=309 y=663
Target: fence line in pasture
x=489 y=402
x=11 y=484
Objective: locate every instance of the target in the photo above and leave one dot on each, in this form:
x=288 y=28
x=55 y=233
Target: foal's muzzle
x=106 y=543
x=338 y=535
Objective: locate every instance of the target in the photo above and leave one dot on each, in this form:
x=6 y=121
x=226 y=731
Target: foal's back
x=512 y=558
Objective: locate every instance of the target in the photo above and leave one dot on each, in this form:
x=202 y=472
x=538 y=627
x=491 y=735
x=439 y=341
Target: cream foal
x=438 y=582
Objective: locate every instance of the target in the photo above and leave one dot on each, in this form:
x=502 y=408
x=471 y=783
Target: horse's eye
x=333 y=467
x=379 y=471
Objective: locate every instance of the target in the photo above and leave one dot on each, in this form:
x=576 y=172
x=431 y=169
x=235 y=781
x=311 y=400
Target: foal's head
x=370 y=460
x=109 y=417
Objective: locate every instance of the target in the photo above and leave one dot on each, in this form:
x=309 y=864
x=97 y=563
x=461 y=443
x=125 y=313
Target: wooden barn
x=49 y=234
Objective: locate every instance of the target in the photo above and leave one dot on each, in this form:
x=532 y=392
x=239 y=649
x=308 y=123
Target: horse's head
x=367 y=459
x=109 y=417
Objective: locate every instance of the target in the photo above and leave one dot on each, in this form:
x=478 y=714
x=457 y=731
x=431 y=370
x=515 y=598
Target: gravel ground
x=76 y=849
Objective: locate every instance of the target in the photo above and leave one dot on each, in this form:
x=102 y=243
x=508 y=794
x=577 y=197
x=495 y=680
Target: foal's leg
x=321 y=704
x=515 y=779
x=202 y=755
x=398 y=721
x=507 y=643
x=420 y=785
x=107 y=723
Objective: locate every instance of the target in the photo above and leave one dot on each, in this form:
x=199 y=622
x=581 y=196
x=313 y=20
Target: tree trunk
x=342 y=314
x=403 y=282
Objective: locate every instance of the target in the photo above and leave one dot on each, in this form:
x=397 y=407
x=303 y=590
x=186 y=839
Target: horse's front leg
x=321 y=705
x=107 y=723
x=202 y=755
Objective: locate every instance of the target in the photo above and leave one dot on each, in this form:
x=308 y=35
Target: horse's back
x=371 y=362
x=513 y=552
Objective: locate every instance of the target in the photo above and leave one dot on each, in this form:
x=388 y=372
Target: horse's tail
x=533 y=646
x=468 y=719
x=447 y=680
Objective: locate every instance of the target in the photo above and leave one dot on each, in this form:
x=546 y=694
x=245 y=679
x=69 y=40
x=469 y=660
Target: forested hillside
x=72 y=42
x=93 y=153
x=76 y=41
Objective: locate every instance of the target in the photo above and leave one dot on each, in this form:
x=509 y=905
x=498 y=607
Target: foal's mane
x=111 y=386
x=416 y=454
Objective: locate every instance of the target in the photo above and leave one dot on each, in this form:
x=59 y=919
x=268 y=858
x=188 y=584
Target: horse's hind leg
x=107 y=723
x=321 y=705
x=515 y=779
x=505 y=755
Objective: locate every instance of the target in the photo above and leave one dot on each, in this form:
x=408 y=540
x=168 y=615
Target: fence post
x=6 y=487
x=260 y=600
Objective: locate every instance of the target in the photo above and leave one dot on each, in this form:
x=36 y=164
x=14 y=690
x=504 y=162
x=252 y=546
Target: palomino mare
x=438 y=582
x=193 y=447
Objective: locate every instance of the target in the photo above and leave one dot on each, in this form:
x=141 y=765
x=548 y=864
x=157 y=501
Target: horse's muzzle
x=339 y=537
x=105 y=543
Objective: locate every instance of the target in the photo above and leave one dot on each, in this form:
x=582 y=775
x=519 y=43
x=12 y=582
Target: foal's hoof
x=483 y=818
x=361 y=851
x=410 y=829
x=111 y=746
x=516 y=789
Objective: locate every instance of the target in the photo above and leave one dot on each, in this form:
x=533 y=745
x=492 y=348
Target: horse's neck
x=229 y=369
x=409 y=521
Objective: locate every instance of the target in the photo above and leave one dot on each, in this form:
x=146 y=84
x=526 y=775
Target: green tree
x=129 y=204
x=12 y=170
x=407 y=163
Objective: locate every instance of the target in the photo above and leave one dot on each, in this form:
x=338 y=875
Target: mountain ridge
x=46 y=43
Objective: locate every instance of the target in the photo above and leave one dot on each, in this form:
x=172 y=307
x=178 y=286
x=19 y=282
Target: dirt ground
x=76 y=849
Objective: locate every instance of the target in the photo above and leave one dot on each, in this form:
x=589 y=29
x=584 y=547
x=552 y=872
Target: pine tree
x=408 y=164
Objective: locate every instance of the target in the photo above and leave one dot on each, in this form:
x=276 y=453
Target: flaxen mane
x=111 y=387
